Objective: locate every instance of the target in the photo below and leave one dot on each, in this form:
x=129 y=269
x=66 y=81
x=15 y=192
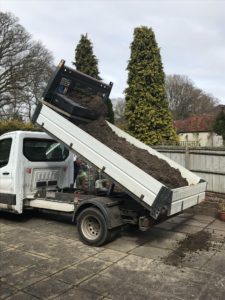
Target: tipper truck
x=36 y=168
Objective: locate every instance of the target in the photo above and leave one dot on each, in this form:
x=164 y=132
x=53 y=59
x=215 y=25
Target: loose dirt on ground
x=99 y=129
x=192 y=243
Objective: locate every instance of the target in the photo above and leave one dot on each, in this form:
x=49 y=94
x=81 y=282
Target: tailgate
x=186 y=197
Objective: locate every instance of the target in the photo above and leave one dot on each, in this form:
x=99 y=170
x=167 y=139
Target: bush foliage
x=12 y=125
x=219 y=125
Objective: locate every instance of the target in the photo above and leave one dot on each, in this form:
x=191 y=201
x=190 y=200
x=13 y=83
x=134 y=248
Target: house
x=197 y=130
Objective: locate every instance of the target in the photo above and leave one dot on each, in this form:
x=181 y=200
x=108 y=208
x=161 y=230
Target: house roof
x=199 y=123
x=202 y=123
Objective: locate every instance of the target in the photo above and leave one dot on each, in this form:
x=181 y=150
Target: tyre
x=92 y=227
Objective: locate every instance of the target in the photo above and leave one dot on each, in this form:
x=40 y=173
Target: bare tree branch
x=25 y=66
x=185 y=99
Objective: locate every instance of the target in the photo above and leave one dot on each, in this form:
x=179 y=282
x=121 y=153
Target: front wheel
x=92 y=227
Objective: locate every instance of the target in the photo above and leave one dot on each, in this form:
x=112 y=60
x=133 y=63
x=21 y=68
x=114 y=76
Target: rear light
x=28 y=170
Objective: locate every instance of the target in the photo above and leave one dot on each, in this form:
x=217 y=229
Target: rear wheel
x=92 y=227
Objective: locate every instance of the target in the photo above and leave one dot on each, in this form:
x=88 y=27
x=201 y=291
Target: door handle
x=5 y=173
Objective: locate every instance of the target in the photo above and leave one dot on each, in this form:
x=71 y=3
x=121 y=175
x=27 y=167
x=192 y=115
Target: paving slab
x=223 y=246
x=214 y=290
x=6 y=290
x=180 y=219
x=48 y=288
x=171 y=273
x=216 y=264
x=94 y=264
x=151 y=252
x=4 y=246
x=127 y=291
x=203 y=218
x=82 y=271
x=19 y=258
x=197 y=259
x=8 y=268
x=198 y=223
x=4 y=228
x=44 y=259
x=78 y=293
x=121 y=245
x=73 y=275
x=182 y=290
x=51 y=266
x=217 y=224
x=166 y=225
x=110 y=255
x=189 y=229
x=161 y=296
x=19 y=236
x=199 y=220
x=153 y=234
x=160 y=234
x=216 y=234
x=101 y=284
x=116 y=272
x=22 y=296
x=23 y=278
x=133 y=263
x=162 y=243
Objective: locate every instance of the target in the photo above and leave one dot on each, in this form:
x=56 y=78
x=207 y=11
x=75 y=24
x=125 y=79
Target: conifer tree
x=146 y=110
x=86 y=62
x=219 y=125
x=110 y=115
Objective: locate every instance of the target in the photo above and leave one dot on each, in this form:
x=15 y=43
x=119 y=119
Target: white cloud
x=190 y=34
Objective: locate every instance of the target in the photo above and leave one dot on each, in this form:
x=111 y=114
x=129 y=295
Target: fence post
x=187 y=158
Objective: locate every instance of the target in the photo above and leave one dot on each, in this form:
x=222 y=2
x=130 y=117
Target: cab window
x=44 y=150
x=5 y=147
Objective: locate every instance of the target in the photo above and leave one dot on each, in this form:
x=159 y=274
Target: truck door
x=6 y=172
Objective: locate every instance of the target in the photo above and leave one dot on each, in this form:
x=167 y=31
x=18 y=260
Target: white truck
x=36 y=168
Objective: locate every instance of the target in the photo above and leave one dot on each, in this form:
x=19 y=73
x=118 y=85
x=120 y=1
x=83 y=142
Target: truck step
x=52 y=205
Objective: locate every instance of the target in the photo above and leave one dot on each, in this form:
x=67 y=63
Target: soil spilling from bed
x=99 y=129
x=193 y=243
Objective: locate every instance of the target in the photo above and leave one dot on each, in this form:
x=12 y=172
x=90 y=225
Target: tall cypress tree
x=86 y=62
x=146 y=108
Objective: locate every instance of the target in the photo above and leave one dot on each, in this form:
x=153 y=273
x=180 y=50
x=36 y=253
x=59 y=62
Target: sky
x=190 y=34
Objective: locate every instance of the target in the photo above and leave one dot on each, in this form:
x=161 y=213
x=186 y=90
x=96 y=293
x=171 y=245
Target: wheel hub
x=91 y=227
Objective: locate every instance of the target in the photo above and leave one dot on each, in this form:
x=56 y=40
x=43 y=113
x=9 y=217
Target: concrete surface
x=41 y=257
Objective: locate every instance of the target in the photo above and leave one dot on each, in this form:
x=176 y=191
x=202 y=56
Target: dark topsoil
x=151 y=164
x=192 y=243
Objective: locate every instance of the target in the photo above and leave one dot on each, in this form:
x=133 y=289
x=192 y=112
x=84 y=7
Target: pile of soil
x=192 y=243
x=157 y=168
x=92 y=102
x=99 y=129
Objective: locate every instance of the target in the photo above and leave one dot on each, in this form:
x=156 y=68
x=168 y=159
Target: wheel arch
x=111 y=213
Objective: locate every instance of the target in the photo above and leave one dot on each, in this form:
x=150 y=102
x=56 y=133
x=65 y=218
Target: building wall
x=203 y=139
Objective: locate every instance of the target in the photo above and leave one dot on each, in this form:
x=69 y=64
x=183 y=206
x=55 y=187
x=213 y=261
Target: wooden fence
x=208 y=163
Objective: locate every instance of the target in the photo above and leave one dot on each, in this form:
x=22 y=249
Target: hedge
x=12 y=125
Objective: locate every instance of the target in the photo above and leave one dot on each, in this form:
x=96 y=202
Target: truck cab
x=30 y=162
